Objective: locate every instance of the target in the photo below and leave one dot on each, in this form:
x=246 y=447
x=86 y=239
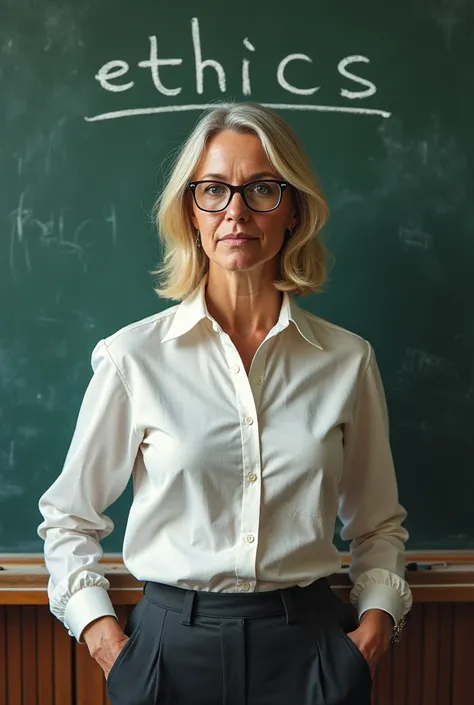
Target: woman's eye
x=214 y=190
x=261 y=189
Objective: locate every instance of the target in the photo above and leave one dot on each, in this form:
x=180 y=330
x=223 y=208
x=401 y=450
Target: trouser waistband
x=289 y=601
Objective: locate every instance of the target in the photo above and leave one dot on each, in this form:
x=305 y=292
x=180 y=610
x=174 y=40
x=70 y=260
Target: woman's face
x=238 y=159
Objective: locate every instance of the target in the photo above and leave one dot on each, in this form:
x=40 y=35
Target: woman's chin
x=238 y=261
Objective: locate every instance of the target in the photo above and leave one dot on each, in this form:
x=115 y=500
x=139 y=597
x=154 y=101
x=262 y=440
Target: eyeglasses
x=259 y=196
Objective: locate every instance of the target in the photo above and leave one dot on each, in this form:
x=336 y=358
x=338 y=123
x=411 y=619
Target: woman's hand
x=108 y=656
x=105 y=640
x=372 y=637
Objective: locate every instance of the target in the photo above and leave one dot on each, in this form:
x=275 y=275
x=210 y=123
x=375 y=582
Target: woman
x=247 y=424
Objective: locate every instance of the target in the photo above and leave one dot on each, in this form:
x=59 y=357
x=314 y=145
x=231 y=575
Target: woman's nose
x=237 y=210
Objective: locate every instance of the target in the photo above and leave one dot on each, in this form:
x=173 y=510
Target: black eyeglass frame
x=238 y=189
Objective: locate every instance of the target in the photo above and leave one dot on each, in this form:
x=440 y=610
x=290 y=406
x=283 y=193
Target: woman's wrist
x=101 y=631
x=379 y=623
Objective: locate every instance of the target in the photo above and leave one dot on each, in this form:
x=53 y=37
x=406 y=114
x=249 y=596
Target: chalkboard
x=95 y=98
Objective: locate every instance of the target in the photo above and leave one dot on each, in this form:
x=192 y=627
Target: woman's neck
x=243 y=306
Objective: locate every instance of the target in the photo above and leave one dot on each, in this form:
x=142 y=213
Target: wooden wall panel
x=462 y=654
x=41 y=665
x=414 y=637
x=3 y=655
x=14 y=674
x=445 y=654
x=45 y=661
x=399 y=670
x=62 y=665
x=36 y=666
x=29 y=652
x=430 y=654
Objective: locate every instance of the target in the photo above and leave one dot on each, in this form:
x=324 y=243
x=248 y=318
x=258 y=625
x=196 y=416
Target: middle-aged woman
x=248 y=424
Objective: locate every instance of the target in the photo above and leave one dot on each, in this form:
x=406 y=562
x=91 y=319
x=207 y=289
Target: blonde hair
x=302 y=257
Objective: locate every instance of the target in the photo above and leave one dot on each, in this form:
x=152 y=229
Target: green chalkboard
x=97 y=95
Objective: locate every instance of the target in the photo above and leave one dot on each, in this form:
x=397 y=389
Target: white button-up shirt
x=237 y=479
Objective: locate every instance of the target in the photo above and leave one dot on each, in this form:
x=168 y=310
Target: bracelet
x=397 y=630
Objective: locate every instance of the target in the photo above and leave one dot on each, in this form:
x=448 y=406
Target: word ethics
x=115 y=76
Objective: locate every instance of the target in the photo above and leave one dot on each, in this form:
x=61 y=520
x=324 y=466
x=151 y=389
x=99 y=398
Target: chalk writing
x=415 y=238
x=421 y=362
x=27 y=230
x=246 y=89
x=115 y=76
x=112 y=219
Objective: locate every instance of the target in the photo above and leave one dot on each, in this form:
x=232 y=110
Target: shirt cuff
x=85 y=606
x=380 y=597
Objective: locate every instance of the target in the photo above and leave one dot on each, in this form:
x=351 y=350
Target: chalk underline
x=130 y=112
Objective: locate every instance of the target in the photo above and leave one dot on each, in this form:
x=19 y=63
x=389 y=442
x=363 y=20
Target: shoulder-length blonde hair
x=303 y=255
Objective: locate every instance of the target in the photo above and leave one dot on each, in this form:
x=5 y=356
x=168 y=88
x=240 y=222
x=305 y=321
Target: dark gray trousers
x=284 y=647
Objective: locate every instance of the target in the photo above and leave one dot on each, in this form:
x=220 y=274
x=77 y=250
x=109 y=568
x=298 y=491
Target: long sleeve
x=95 y=473
x=368 y=507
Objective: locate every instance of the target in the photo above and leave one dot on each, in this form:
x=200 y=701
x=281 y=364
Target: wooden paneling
x=398 y=657
x=462 y=651
x=3 y=655
x=36 y=665
x=29 y=652
x=14 y=675
x=63 y=666
x=45 y=671
x=41 y=665
x=445 y=654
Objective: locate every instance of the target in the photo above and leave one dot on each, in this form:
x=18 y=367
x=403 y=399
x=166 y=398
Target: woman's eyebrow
x=254 y=177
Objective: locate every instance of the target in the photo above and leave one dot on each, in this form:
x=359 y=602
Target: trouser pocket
x=133 y=678
x=347 y=622
x=346 y=673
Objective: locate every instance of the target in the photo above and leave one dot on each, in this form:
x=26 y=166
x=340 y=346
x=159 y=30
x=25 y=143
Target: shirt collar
x=189 y=312
x=193 y=310
x=299 y=318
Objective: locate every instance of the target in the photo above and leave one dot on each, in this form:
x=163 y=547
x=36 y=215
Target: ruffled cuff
x=62 y=594
x=381 y=589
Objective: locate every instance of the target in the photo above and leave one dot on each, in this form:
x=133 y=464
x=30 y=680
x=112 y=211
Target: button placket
x=251 y=487
x=257 y=377
x=251 y=499
x=247 y=399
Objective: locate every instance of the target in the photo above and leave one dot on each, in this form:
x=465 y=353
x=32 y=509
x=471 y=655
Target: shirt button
x=252 y=477
x=235 y=369
x=246 y=586
x=248 y=420
x=257 y=380
x=250 y=538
